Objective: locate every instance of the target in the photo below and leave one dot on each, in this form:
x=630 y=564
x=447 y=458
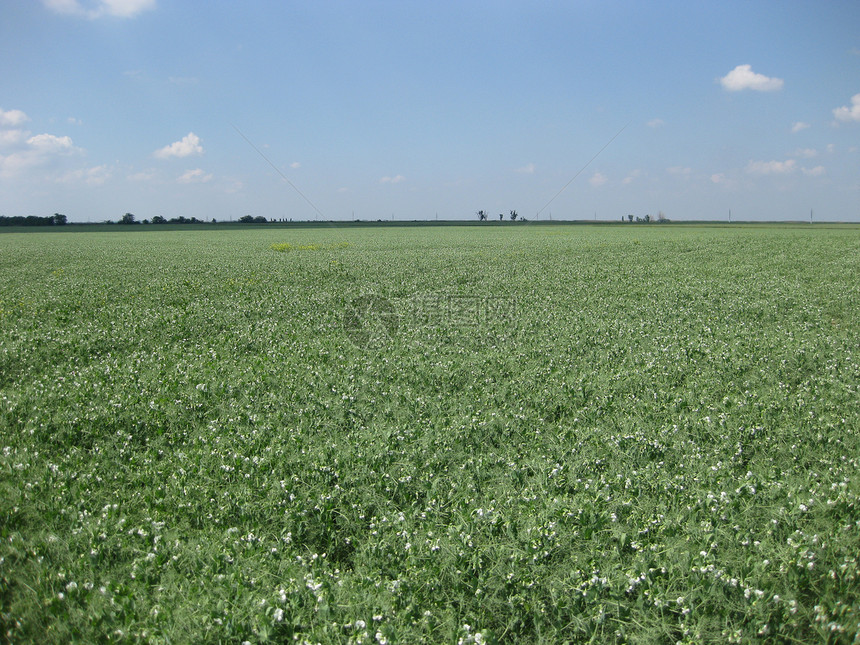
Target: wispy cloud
x=93 y=9
x=634 y=175
x=847 y=114
x=743 y=78
x=818 y=171
x=95 y=176
x=805 y=153
x=196 y=176
x=295 y=165
x=656 y=123
x=528 y=169
x=231 y=185
x=143 y=175
x=598 y=179
x=725 y=181
x=771 y=167
x=182 y=80
x=392 y=180
x=798 y=126
x=187 y=146
x=64 y=6
x=683 y=171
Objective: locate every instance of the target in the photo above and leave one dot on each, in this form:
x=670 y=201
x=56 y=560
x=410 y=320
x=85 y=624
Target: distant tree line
x=483 y=216
x=660 y=219
x=129 y=218
x=57 y=219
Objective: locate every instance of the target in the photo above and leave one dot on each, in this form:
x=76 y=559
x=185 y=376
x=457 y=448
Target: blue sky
x=412 y=109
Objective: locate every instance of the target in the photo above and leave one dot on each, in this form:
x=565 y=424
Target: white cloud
x=93 y=9
x=656 y=123
x=846 y=113
x=798 y=126
x=95 y=176
x=183 y=80
x=818 y=171
x=295 y=165
x=392 y=180
x=143 y=175
x=196 y=176
x=231 y=185
x=805 y=153
x=631 y=177
x=743 y=78
x=37 y=150
x=528 y=169
x=126 y=8
x=12 y=118
x=683 y=171
x=51 y=144
x=831 y=148
x=12 y=137
x=726 y=182
x=598 y=179
x=11 y=165
x=189 y=145
x=63 y=6
x=771 y=167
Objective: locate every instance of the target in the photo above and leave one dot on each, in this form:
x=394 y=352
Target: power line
x=278 y=170
x=581 y=169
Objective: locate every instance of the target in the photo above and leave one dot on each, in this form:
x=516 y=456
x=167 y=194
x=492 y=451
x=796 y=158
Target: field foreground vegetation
x=517 y=434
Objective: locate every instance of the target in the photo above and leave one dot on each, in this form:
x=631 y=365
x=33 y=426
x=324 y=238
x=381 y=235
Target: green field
x=431 y=434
